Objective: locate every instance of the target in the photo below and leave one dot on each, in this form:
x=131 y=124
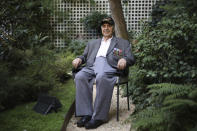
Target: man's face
x=107 y=30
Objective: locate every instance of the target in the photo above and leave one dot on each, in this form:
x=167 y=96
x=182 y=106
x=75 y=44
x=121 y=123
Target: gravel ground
x=112 y=125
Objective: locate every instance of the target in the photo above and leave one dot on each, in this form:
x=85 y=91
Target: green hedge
x=28 y=63
x=166 y=53
x=22 y=82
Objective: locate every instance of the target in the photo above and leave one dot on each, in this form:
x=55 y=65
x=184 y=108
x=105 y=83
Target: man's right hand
x=76 y=62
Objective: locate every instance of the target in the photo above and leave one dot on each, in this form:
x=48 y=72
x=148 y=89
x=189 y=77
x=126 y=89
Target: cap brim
x=107 y=22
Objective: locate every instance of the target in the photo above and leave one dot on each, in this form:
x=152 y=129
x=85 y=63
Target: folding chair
x=121 y=80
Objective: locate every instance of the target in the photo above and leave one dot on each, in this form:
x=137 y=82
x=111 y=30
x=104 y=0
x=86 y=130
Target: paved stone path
x=112 y=125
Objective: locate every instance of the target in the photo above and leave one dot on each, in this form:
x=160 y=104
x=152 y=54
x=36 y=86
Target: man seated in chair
x=104 y=59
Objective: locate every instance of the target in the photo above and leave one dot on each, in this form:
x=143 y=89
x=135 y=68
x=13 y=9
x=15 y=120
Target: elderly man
x=104 y=59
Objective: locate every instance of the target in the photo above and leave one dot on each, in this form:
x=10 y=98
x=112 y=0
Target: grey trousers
x=105 y=81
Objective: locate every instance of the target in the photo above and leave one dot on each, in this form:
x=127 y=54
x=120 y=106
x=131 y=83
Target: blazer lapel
x=96 y=48
x=112 y=45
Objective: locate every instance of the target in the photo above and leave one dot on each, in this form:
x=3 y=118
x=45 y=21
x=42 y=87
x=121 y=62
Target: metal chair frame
x=118 y=83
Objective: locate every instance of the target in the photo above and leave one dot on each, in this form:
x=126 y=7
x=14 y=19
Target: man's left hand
x=122 y=64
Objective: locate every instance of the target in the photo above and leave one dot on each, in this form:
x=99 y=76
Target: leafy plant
x=22 y=82
x=76 y=46
x=63 y=64
x=158 y=12
x=26 y=57
x=93 y=21
x=171 y=107
x=137 y=87
x=166 y=52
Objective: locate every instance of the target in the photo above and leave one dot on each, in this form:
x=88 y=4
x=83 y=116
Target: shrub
x=23 y=81
x=76 y=47
x=137 y=87
x=63 y=64
x=166 y=52
x=26 y=58
x=93 y=21
x=171 y=107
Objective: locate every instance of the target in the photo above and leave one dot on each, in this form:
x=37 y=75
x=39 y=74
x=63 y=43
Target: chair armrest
x=123 y=76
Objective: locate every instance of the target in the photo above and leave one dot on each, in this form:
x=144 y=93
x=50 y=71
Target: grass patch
x=23 y=118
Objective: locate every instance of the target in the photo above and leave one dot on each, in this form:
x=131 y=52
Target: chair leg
x=75 y=108
x=128 y=96
x=117 y=115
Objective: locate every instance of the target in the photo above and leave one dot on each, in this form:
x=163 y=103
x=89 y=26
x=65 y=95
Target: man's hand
x=76 y=62
x=122 y=64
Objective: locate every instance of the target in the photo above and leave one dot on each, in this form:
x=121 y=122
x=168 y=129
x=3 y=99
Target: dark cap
x=108 y=20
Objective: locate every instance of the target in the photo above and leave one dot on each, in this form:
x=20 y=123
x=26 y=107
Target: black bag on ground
x=46 y=104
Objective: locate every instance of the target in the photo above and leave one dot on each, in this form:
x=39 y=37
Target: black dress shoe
x=83 y=121
x=92 y=124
